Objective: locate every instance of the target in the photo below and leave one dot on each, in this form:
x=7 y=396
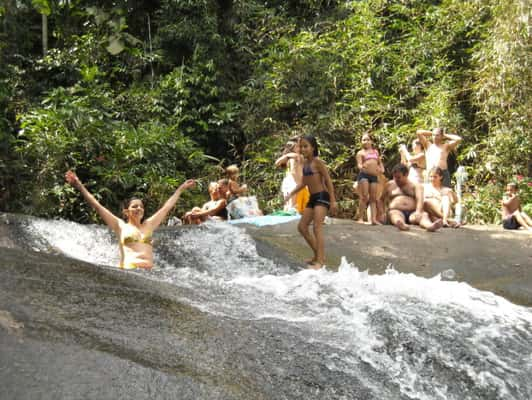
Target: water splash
x=433 y=339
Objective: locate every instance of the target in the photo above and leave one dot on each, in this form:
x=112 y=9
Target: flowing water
x=217 y=320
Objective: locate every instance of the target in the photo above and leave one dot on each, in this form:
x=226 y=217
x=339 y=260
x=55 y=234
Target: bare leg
x=303 y=228
x=319 y=216
x=429 y=225
x=373 y=203
x=398 y=220
x=520 y=220
x=381 y=216
x=433 y=207
x=445 y=207
x=363 y=198
x=526 y=219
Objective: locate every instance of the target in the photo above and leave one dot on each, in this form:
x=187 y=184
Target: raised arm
x=405 y=154
x=509 y=200
x=108 y=217
x=281 y=161
x=156 y=219
x=453 y=142
x=423 y=135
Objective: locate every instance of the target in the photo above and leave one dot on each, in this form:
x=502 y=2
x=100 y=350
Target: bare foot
x=451 y=224
x=402 y=226
x=376 y=223
x=435 y=225
x=311 y=260
x=359 y=221
x=316 y=265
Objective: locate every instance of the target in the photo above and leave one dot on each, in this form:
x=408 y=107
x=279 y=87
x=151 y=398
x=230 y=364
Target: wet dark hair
x=401 y=168
x=313 y=143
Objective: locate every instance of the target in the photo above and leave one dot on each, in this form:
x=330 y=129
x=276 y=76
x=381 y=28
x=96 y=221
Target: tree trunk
x=44 y=35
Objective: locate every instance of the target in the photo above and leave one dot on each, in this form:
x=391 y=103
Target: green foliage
x=78 y=129
x=134 y=104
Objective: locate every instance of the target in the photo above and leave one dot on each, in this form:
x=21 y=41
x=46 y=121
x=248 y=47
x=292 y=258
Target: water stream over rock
x=215 y=320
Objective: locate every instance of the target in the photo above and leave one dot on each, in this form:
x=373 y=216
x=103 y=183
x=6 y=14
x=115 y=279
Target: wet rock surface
x=486 y=257
x=71 y=329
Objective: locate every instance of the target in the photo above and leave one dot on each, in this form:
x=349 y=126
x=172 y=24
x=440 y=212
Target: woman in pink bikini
x=370 y=166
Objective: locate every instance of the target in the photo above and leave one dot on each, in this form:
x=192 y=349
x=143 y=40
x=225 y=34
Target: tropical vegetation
x=137 y=96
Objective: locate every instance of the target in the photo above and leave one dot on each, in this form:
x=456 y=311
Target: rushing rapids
x=216 y=320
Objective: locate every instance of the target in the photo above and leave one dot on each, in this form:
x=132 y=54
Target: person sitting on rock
x=512 y=215
x=214 y=209
x=404 y=200
x=439 y=199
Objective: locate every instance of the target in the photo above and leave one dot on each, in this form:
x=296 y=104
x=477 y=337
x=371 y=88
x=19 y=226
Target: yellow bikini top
x=130 y=235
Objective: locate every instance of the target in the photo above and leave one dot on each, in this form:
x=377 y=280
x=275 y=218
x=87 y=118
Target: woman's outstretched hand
x=186 y=185
x=72 y=179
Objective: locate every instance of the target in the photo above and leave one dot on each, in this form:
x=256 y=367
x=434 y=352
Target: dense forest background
x=136 y=96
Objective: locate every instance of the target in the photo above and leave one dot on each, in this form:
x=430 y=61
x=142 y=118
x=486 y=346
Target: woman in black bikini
x=316 y=178
x=135 y=235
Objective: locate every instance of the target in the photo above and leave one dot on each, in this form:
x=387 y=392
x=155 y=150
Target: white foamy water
x=435 y=339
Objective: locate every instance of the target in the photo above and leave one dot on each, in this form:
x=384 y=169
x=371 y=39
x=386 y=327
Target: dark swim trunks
x=510 y=223
x=407 y=215
x=319 y=199
x=368 y=177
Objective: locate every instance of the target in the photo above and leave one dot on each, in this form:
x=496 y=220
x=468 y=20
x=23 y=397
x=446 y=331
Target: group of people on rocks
x=412 y=197
x=221 y=194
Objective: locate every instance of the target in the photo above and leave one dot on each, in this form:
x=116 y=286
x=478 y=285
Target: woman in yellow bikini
x=135 y=235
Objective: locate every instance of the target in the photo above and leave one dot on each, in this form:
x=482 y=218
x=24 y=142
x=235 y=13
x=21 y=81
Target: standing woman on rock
x=322 y=199
x=370 y=166
x=134 y=234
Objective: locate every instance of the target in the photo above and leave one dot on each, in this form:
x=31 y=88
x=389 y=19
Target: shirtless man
x=437 y=151
x=405 y=202
x=512 y=216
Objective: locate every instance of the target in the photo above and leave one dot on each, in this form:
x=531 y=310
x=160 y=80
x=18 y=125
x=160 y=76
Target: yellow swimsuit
x=132 y=235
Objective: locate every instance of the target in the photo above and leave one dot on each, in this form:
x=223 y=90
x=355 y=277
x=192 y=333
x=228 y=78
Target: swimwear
x=510 y=223
x=135 y=236
x=407 y=215
x=319 y=199
x=368 y=177
x=222 y=213
x=307 y=170
x=131 y=266
x=373 y=155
